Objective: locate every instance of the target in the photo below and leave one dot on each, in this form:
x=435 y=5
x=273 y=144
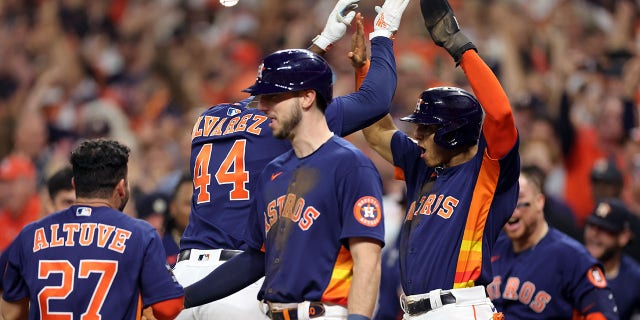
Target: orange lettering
x=209 y=123
x=447 y=207
x=493 y=289
x=511 y=289
x=196 y=132
x=297 y=212
x=254 y=127
x=87 y=231
x=39 y=240
x=231 y=125
x=118 y=242
x=104 y=232
x=70 y=229
x=540 y=302
x=242 y=125
x=218 y=130
x=287 y=211
x=309 y=215
x=55 y=241
x=526 y=292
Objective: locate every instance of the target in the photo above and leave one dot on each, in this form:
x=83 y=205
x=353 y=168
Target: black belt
x=424 y=305
x=225 y=254
x=316 y=309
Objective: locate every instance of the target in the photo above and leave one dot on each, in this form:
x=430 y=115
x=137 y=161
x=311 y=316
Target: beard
x=124 y=200
x=295 y=116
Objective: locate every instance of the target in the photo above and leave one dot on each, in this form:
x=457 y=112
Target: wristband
x=380 y=33
x=354 y=316
x=322 y=42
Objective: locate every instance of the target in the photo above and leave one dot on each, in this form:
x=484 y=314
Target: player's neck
x=612 y=266
x=533 y=239
x=94 y=202
x=311 y=133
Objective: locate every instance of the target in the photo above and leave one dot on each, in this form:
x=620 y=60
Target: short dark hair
x=98 y=166
x=60 y=181
x=535 y=175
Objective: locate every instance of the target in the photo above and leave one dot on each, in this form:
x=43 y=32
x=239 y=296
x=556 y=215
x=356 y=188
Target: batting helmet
x=293 y=70
x=457 y=113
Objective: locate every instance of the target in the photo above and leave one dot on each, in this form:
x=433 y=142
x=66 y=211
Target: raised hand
x=444 y=29
x=358 y=53
x=387 y=21
x=337 y=23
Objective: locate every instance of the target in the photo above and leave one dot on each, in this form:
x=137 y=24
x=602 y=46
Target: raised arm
x=499 y=126
x=373 y=100
x=378 y=136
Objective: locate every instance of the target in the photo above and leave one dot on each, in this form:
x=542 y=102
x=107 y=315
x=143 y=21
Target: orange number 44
x=230 y=171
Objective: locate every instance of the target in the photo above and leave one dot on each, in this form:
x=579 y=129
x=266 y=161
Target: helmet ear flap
x=450 y=136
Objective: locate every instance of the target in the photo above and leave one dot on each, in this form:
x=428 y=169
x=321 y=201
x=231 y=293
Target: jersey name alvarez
x=291 y=207
x=442 y=205
x=89 y=234
x=209 y=126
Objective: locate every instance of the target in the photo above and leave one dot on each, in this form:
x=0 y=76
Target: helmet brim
x=266 y=88
x=420 y=119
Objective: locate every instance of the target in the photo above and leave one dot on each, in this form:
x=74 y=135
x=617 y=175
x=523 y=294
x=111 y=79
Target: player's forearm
x=366 y=278
x=230 y=277
x=499 y=125
x=15 y=310
x=373 y=99
x=379 y=135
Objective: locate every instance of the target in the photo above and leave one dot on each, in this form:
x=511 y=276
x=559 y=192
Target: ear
x=308 y=98
x=540 y=199
x=121 y=188
x=624 y=237
x=73 y=183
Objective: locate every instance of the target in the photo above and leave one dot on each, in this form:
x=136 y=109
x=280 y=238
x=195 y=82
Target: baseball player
x=231 y=145
x=461 y=176
x=61 y=196
x=541 y=273
x=319 y=210
x=91 y=260
x=606 y=233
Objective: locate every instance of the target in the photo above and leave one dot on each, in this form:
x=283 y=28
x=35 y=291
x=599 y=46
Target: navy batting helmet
x=293 y=70
x=457 y=113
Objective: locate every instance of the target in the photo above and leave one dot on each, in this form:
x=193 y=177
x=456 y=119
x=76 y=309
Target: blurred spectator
x=20 y=203
x=178 y=217
x=153 y=209
x=60 y=190
x=606 y=233
x=606 y=179
x=556 y=212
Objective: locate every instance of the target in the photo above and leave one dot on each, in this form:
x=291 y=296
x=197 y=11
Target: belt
x=316 y=309
x=225 y=254
x=424 y=305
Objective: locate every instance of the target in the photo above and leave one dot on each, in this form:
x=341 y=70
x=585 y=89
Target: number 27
x=107 y=269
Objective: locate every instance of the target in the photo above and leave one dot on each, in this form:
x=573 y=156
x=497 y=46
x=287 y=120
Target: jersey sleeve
x=157 y=283
x=499 y=125
x=13 y=283
x=255 y=232
x=350 y=113
x=588 y=285
x=362 y=213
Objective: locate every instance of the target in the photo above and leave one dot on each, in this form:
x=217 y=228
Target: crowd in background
x=140 y=71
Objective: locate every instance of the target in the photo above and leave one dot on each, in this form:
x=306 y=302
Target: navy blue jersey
x=232 y=144
x=546 y=281
x=309 y=207
x=89 y=262
x=626 y=288
x=486 y=187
